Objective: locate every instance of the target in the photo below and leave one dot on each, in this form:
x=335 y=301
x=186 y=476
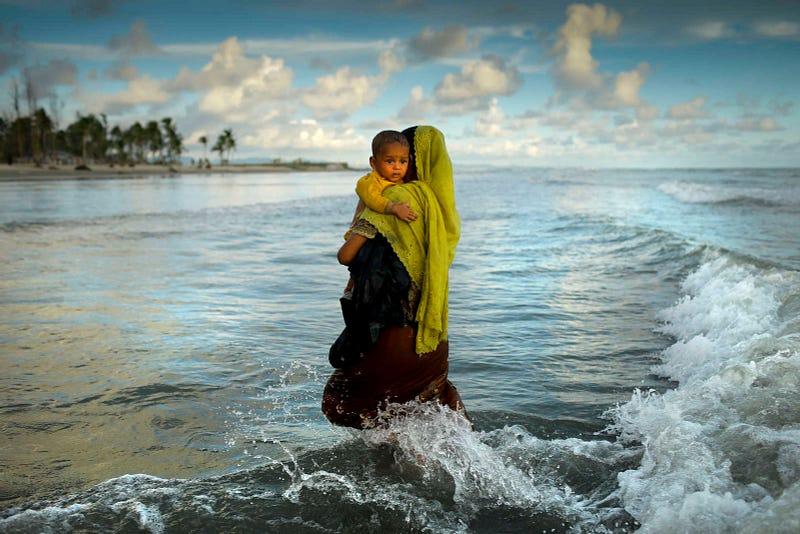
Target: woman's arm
x=359 y=208
x=350 y=249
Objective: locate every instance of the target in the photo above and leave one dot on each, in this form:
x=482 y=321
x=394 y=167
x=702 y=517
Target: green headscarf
x=427 y=246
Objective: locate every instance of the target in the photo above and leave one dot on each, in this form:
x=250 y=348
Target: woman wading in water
x=394 y=346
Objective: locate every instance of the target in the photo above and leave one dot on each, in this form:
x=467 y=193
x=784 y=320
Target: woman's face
x=411 y=173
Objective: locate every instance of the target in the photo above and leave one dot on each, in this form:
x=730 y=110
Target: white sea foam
x=135 y=496
x=715 y=193
x=47 y=520
x=721 y=452
x=504 y=468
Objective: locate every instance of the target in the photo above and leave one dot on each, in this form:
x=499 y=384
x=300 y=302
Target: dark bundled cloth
x=389 y=372
x=380 y=298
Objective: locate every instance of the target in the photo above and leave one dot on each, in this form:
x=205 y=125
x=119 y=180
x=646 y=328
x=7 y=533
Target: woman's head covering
x=433 y=167
x=427 y=246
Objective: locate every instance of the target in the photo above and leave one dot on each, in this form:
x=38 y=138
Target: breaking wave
x=721 y=452
x=716 y=193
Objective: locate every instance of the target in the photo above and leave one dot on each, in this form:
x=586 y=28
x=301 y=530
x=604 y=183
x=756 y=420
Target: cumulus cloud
x=139 y=91
x=271 y=79
x=233 y=85
x=418 y=106
x=494 y=122
x=389 y=61
x=450 y=41
x=577 y=73
x=306 y=134
x=230 y=67
x=693 y=109
x=341 y=93
x=627 y=85
x=710 y=30
x=779 y=29
x=490 y=123
x=136 y=42
x=483 y=78
x=575 y=67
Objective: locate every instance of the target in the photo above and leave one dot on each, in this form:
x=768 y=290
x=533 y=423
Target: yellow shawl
x=426 y=247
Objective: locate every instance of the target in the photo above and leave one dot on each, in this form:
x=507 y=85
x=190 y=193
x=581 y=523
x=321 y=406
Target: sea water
x=627 y=344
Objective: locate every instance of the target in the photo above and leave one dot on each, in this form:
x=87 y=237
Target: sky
x=511 y=83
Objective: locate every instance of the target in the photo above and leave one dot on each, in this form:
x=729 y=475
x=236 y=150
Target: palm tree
x=174 y=139
x=135 y=139
x=86 y=138
x=229 y=142
x=155 y=142
x=219 y=146
x=204 y=141
x=117 y=141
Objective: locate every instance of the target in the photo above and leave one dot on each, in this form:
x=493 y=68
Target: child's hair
x=387 y=137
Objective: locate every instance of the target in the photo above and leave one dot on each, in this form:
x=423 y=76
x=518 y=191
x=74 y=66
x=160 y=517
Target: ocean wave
x=702 y=193
x=453 y=478
x=721 y=452
x=425 y=470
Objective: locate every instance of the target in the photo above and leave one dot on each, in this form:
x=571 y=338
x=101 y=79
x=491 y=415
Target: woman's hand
x=348 y=252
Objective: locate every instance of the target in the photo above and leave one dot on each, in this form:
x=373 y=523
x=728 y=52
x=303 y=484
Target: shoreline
x=30 y=172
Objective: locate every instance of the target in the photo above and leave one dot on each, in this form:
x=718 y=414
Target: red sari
x=389 y=372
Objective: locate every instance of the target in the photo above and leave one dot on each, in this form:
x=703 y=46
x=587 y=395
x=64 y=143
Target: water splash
x=721 y=450
x=446 y=477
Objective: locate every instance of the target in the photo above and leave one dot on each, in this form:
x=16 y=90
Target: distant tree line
x=35 y=137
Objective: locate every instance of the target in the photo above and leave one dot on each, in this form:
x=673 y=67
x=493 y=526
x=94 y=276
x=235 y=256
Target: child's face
x=391 y=163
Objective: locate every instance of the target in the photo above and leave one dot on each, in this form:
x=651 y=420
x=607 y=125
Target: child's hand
x=404 y=212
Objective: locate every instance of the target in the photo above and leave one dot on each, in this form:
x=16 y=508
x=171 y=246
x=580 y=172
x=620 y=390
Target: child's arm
x=369 y=191
x=401 y=211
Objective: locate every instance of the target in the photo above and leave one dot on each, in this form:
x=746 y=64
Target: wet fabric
x=426 y=247
x=435 y=169
x=389 y=372
x=380 y=298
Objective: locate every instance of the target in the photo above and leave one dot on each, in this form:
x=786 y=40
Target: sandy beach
x=27 y=171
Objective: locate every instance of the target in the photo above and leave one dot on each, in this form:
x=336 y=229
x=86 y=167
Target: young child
x=389 y=162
